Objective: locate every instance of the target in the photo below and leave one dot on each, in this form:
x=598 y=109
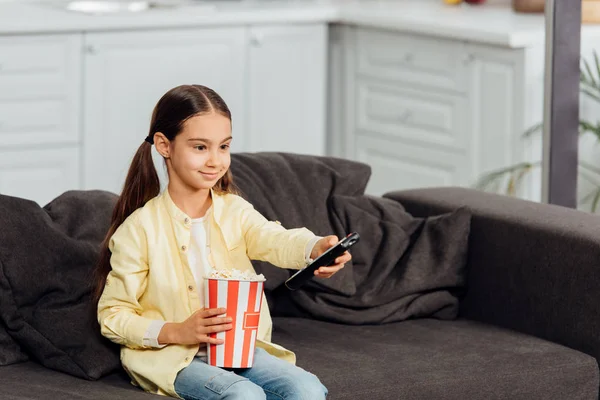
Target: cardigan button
x=190 y=288
x=183 y=248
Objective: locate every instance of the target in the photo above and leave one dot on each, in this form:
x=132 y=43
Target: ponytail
x=141 y=185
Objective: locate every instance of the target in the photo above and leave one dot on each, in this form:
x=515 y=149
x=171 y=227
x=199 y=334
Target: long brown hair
x=142 y=183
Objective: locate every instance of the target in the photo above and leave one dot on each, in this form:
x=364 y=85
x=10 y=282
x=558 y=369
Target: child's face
x=199 y=155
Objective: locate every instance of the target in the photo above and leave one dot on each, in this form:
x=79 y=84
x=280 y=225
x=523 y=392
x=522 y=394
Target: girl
x=160 y=246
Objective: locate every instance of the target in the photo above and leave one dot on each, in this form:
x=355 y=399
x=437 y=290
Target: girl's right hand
x=196 y=328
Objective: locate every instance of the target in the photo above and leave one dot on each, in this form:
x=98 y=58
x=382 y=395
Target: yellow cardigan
x=151 y=278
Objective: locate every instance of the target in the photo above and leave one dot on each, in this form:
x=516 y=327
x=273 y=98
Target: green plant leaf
x=594 y=195
x=595 y=202
x=513 y=173
x=585 y=175
x=588 y=91
x=588 y=127
x=587 y=76
x=533 y=129
x=521 y=174
x=597 y=66
x=508 y=179
x=590 y=167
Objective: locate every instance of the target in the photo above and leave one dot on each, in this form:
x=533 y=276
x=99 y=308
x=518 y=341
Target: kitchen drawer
x=432 y=118
x=416 y=60
x=398 y=165
x=38 y=121
x=39 y=175
x=33 y=66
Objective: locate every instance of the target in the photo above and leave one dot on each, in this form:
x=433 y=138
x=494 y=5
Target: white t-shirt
x=199 y=253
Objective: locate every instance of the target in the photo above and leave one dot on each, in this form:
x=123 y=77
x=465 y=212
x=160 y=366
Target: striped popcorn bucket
x=242 y=299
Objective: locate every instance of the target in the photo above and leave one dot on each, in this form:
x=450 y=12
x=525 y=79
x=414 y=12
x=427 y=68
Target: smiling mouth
x=210 y=175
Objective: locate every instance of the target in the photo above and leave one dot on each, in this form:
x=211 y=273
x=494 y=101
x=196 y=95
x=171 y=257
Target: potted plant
x=507 y=180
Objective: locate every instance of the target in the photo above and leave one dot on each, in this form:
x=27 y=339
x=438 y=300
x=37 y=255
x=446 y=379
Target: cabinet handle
x=256 y=39
x=469 y=59
x=90 y=49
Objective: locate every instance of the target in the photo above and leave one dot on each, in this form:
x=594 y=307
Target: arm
x=532 y=267
x=119 y=312
x=271 y=242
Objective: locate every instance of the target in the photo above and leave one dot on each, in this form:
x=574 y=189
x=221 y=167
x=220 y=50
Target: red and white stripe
x=243 y=300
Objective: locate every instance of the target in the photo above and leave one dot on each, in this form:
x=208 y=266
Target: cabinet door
x=39 y=175
x=505 y=99
x=396 y=165
x=287 y=98
x=126 y=74
x=40 y=90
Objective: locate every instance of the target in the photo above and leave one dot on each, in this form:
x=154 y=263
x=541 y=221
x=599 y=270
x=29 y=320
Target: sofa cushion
x=32 y=381
x=432 y=359
x=46 y=261
x=295 y=189
x=424 y=359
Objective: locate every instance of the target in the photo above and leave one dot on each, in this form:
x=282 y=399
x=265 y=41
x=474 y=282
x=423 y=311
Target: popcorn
x=236 y=274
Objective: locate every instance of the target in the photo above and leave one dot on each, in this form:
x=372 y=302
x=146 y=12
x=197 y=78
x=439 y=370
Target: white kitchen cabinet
x=433 y=112
x=126 y=73
x=40 y=175
x=287 y=89
x=40 y=115
x=39 y=90
x=506 y=99
x=401 y=165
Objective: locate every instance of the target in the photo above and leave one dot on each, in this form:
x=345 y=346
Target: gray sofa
x=528 y=319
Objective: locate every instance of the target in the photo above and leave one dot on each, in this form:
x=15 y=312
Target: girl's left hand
x=321 y=247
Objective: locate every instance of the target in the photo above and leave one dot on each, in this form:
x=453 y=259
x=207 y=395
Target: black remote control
x=325 y=259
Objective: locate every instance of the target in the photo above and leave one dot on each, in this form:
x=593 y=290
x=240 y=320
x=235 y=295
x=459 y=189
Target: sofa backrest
x=295 y=189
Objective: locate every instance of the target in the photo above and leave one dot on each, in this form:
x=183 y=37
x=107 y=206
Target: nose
x=213 y=159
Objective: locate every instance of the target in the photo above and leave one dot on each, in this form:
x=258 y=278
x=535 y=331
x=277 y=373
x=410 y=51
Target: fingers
x=217 y=328
x=211 y=312
x=344 y=258
x=211 y=340
x=207 y=334
x=216 y=321
x=329 y=270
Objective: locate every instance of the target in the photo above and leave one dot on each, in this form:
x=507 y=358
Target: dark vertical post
x=561 y=102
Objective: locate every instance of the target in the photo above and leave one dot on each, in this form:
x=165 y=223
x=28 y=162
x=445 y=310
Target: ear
x=162 y=144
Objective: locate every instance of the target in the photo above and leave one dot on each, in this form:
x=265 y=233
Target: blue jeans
x=269 y=378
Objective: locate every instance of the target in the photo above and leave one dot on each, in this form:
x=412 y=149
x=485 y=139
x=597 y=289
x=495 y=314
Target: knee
x=308 y=387
x=244 y=389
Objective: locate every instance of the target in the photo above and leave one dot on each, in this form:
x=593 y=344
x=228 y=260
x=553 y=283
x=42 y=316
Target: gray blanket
x=403 y=267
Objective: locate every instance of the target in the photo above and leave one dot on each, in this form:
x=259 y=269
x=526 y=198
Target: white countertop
x=488 y=23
